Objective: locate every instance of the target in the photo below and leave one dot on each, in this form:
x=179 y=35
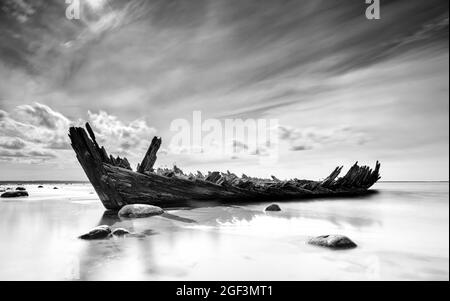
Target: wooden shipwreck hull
x=117 y=184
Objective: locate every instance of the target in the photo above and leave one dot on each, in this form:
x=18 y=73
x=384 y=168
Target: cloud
x=262 y=149
x=11 y=143
x=11 y=154
x=3 y=114
x=27 y=133
x=21 y=10
x=239 y=146
x=42 y=154
x=428 y=31
x=123 y=138
x=39 y=132
x=41 y=116
x=310 y=138
x=300 y=147
x=36 y=124
x=27 y=154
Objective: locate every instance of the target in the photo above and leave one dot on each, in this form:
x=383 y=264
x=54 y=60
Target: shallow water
x=402 y=233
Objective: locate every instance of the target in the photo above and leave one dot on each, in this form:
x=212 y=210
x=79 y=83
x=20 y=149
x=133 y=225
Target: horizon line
x=87 y=181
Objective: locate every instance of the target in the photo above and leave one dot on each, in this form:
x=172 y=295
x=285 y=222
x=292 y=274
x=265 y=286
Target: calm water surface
x=402 y=233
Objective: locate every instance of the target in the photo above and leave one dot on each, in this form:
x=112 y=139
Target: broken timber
x=117 y=184
x=150 y=157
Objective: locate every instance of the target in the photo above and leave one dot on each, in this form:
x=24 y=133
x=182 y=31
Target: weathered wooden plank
x=331 y=178
x=150 y=157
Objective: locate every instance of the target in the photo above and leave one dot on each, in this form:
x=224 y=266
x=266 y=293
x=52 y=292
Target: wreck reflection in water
x=402 y=233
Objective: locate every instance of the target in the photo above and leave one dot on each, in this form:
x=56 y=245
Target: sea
x=402 y=233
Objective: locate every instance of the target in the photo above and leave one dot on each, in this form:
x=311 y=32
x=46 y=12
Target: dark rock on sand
x=14 y=194
x=21 y=188
x=40 y=186
x=333 y=241
x=120 y=232
x=140 y=210
x=55 y=188
x=273 y=207
x=97 y=233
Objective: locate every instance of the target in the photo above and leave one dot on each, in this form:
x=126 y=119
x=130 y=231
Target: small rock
x=97 y=233
x=333 y=241
x=21 y=188
x=273 y=207
x=40 y=186
x=55 y=187
x=139 y=210
x=14 y=194
x=120 y=232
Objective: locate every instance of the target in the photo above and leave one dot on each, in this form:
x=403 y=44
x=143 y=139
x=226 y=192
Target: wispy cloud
x=11 y=143
x=310 y=138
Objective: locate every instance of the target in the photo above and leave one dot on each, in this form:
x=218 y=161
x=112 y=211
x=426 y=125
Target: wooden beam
x=150 y=157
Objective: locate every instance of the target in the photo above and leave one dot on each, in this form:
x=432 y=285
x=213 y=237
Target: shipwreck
x=118 y=185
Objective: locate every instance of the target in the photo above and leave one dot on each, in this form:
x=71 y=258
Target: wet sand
x=402 y=233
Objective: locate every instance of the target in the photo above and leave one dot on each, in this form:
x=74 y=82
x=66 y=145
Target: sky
x=343 y=88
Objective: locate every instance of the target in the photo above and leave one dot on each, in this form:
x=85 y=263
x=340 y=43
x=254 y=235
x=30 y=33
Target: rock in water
x=40 y=186
x=139 y=210
x=55 y=187
x=14 y=194
x=333 y=241
x=273 y=207
x=120 y=232
x=97 y=233
x=21 y=188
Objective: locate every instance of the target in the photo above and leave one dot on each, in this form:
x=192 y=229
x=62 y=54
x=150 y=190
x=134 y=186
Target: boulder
x=14 y=194
x=139 y=210
x=273 y=207
x=21 y=188
x=333 y=242
x=97 y=233
x=120 y=232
